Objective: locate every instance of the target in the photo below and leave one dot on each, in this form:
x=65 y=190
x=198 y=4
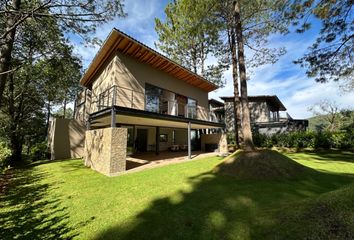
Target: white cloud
x=289 y=82
x=139 y=24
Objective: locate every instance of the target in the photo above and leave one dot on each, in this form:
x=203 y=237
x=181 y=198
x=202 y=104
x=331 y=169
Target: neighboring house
x=137 y=100
x=264 y=113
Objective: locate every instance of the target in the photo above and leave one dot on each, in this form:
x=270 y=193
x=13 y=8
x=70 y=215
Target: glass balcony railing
x=119 y=96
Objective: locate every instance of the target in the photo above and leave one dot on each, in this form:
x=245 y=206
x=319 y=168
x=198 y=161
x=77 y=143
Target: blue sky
x=284 y=79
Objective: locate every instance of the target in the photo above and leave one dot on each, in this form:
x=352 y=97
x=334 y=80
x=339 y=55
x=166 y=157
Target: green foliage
x=330 y=58
x=230 y=138
x=326 y=121
x=69 y=113
x=302 y=139
x=189 y=35
x=5 y=153
x=39 y=151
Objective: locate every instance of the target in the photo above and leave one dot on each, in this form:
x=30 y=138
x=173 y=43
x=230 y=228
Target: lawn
x=64 y=199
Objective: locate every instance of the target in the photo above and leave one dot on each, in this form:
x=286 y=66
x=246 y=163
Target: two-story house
x=137 y=100
x=265 y=115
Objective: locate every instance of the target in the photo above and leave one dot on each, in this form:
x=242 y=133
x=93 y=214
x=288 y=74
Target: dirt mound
x=260 y=165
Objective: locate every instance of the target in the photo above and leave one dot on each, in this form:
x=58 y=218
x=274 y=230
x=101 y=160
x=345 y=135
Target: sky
x=284 y=78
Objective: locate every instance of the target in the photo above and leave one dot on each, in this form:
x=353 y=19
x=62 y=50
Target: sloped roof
x=119 y=41
x=216 y=102
x=272 y=99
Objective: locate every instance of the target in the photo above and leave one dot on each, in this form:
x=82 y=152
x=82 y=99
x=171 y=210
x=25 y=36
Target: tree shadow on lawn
x=329 y=155
x=29 y=209
x=221 y=207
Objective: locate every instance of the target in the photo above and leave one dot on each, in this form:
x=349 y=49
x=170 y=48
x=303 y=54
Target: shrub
x=323 y=140
x=301 y=139
x=5 y=153
x=341 y=140
x=39 y=151
x=231 y=138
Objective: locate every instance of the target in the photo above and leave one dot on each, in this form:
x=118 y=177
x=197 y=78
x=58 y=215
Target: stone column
x=106 y=150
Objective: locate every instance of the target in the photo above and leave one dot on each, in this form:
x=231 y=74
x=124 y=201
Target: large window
x=152 y=95
x=192 y=108
x=166 y=102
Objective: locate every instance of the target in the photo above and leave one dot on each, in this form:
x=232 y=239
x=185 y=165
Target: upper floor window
x=192 y=108
x=152 y=98
x=166 y=102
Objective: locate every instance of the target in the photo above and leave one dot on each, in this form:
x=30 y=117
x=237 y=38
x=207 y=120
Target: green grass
x=63 y=200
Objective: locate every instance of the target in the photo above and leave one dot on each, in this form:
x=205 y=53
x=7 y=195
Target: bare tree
x=330 y=112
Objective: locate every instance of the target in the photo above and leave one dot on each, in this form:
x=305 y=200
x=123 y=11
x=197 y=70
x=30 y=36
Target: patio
x=140 y=161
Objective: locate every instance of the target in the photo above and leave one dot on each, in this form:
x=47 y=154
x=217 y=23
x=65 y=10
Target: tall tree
x=331 y=56
x=258 y=21
x=189 y=36
x=47 y=64
x=76 y=16
x=246 y=120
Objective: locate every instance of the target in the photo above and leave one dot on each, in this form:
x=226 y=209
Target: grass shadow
x=26 y=211
x=329 y=155
x=221 y=207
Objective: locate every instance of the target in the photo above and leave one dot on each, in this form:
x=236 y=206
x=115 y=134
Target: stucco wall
x=105 y=79
x=83 y=105
x=259 y=112
x=106 y=150
x=131 y=75
x=66 y=139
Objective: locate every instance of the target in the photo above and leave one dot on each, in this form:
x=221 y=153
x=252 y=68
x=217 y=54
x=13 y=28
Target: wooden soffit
x=119 y=41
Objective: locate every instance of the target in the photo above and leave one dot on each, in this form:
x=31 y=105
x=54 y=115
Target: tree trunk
x=7 y=46
x=48 y=117
x=236 y=102
x=15 y=142
x=64 y=108
x=246 y=122
x=16 y=148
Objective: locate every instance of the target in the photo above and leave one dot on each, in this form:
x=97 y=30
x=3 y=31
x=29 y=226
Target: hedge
x=308 y=139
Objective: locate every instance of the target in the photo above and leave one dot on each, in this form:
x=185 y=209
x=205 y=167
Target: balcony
x=128 y=98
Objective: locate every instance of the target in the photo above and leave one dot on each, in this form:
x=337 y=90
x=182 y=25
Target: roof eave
x=109 y=46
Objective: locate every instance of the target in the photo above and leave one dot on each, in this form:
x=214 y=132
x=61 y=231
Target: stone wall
x=106 y=150
x=218 y=138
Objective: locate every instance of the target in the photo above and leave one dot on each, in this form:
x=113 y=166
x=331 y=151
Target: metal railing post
x=113 y=112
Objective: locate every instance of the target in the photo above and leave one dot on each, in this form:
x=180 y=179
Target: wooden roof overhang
x=119 y=41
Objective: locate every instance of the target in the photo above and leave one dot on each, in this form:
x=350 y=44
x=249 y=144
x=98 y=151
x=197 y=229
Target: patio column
x=189 y=141
x=157 y=140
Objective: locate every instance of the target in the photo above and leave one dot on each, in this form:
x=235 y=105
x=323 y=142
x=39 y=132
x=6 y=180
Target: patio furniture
x=174 y=148
x=183 y=147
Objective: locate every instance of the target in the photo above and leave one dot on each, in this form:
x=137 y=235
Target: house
x=137 y=100
x=265 y=115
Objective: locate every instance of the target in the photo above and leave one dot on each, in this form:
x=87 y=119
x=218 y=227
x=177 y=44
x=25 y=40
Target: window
x=192 y=108
x=163 y=138
x=152 y=95
x=166 y=102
